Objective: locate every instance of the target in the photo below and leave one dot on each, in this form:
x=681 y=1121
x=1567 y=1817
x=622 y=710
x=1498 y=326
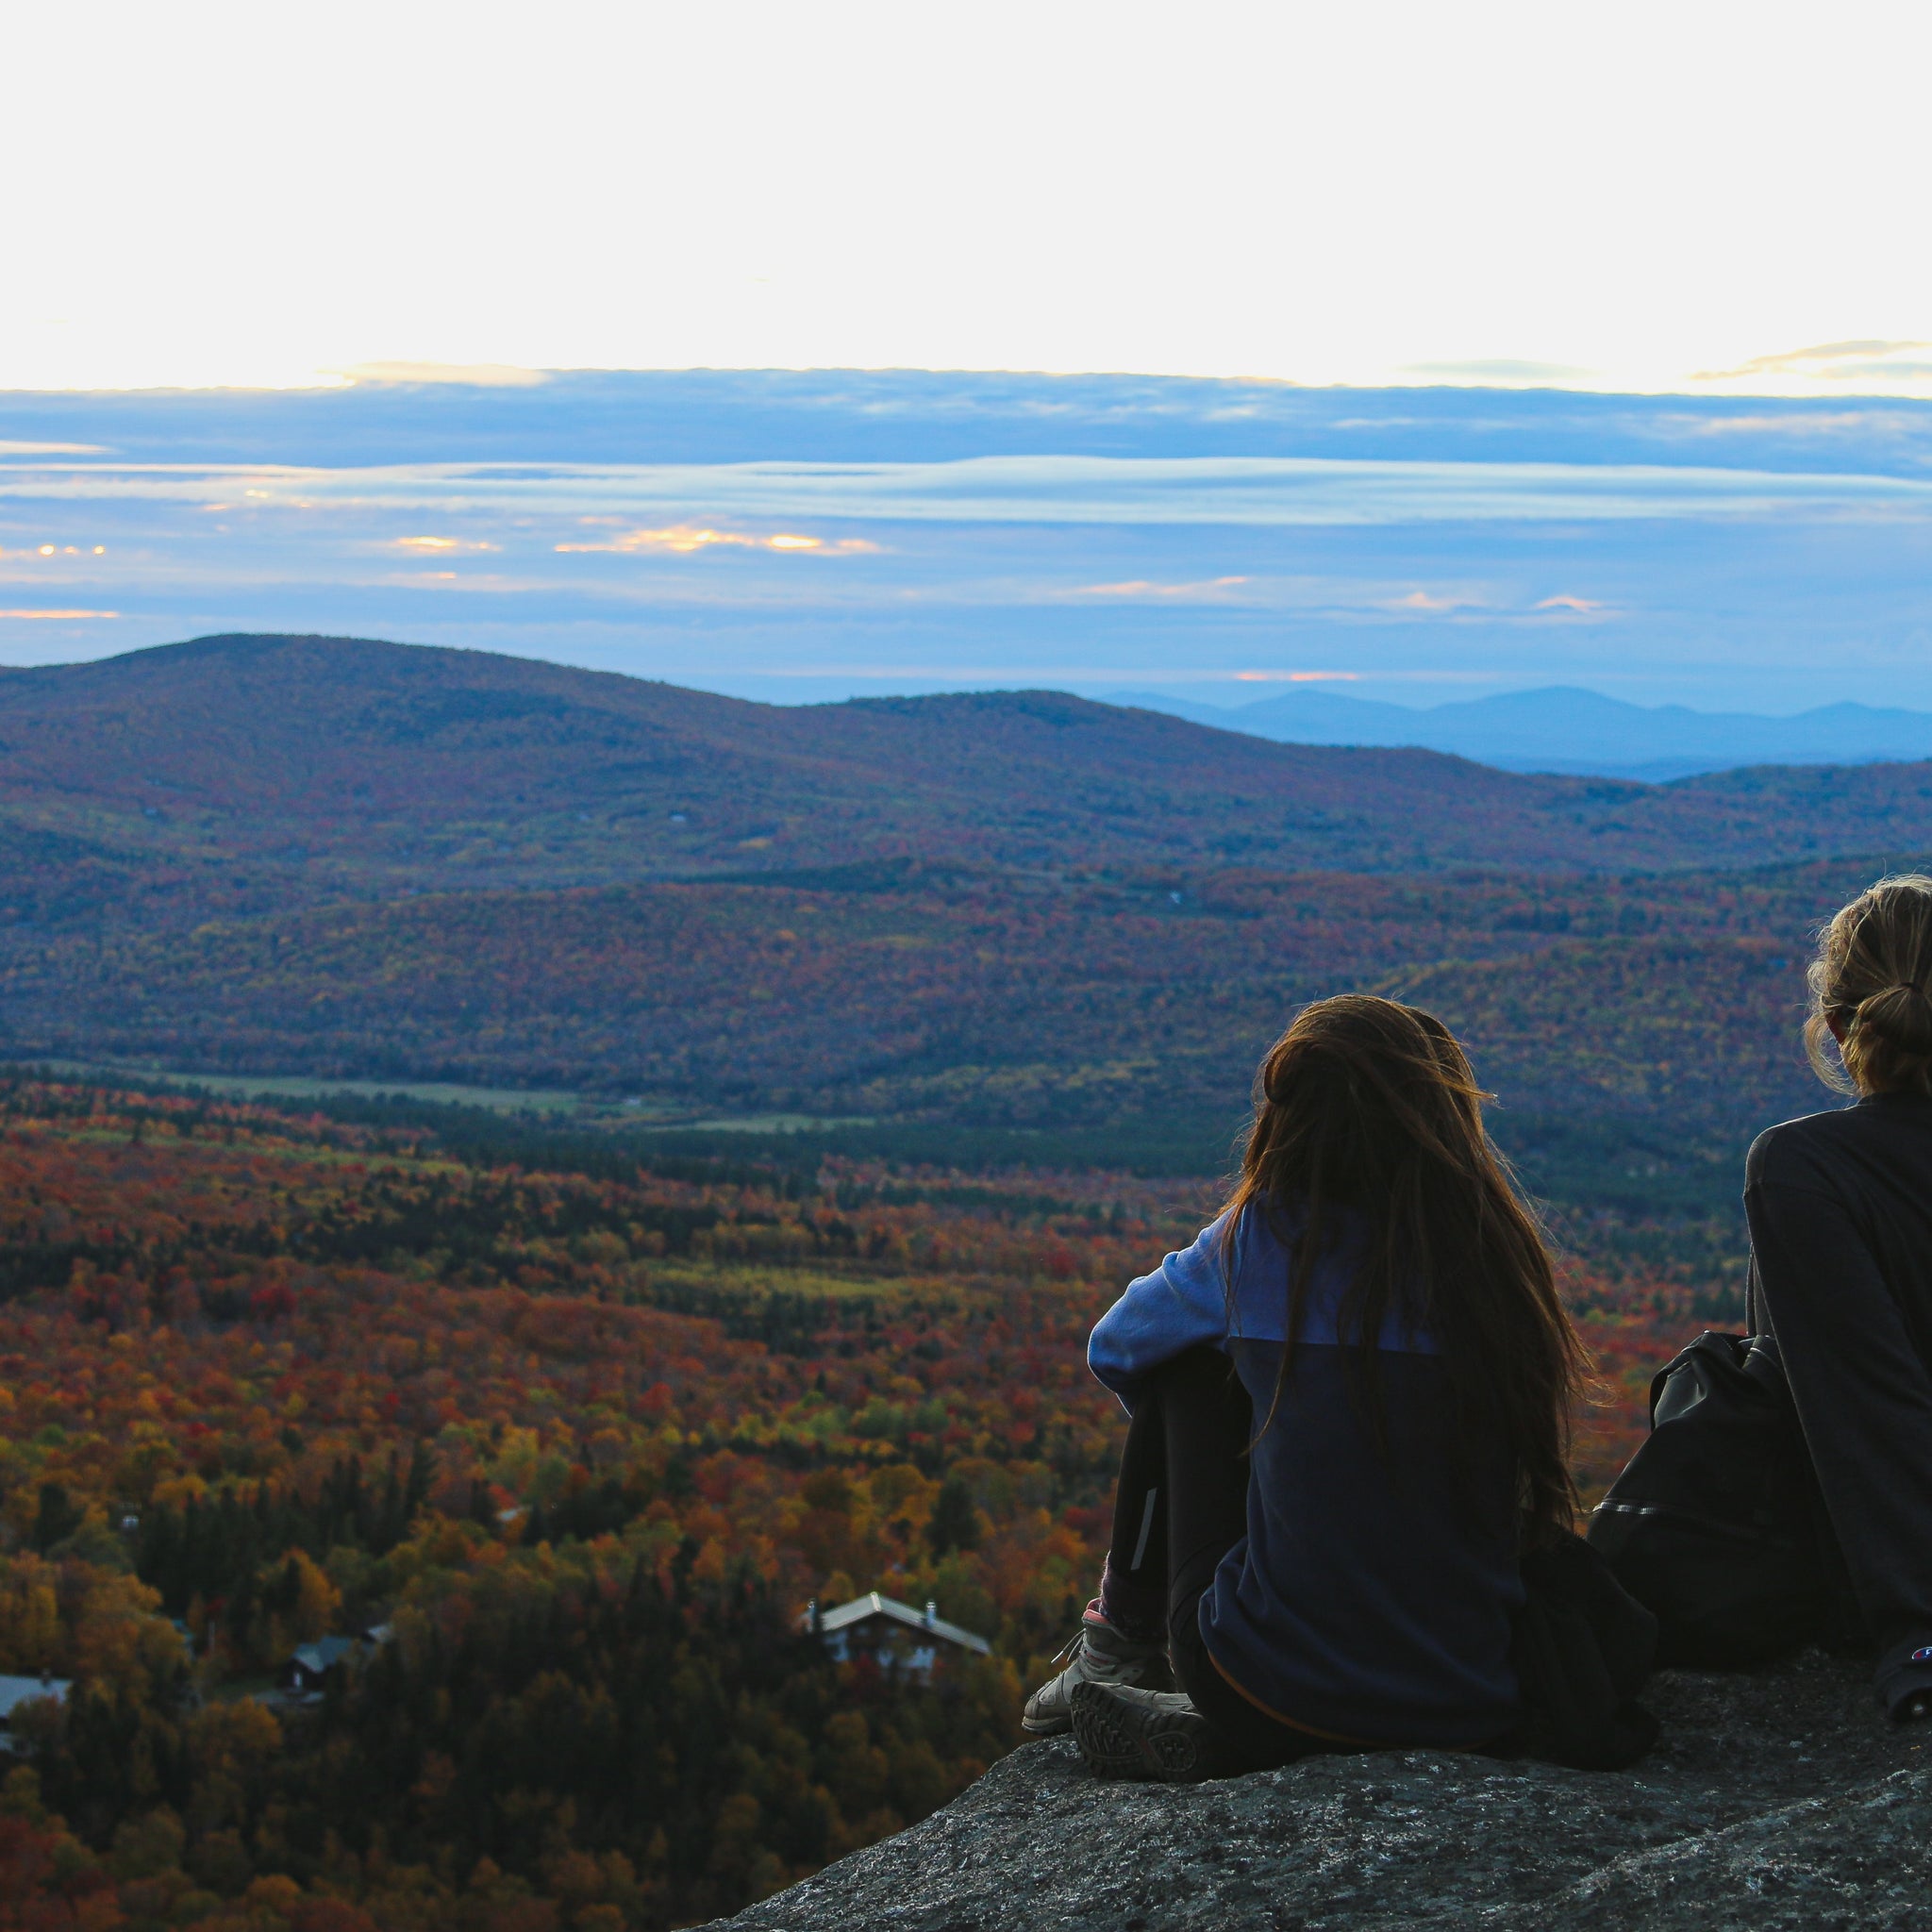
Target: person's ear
x=1836 y=1023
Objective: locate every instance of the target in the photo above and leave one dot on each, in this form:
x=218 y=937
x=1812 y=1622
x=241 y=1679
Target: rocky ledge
x=1778 y=1799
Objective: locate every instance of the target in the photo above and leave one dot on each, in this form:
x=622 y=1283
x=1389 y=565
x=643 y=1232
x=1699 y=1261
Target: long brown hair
x=1368 y=1118
x=1873 y=975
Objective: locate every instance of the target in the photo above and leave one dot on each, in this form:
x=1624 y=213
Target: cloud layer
x=1006 y=529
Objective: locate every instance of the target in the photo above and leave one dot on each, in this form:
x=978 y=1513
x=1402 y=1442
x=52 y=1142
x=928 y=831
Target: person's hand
x=1914 y=1710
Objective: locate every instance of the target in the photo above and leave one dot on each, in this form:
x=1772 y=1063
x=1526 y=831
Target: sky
x=813 y=536
x=1427 y=350
x=1710 y=198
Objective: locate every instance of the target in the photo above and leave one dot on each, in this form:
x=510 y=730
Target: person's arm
x=1864 y=1398
x=1180 y=1305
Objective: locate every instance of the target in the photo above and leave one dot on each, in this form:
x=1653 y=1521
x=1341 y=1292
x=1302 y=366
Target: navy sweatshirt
x=1372 y=1595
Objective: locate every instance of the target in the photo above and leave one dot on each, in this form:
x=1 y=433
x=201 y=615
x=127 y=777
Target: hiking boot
x=1126 y=1732
x=1099 y=1654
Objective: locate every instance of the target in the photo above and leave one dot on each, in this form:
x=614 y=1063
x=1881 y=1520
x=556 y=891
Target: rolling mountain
x=1015 y=910
x=318 y=767
x=1560 y=729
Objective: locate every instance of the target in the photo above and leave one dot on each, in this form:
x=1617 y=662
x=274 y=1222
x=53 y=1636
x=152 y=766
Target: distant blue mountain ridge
x=1561 y=728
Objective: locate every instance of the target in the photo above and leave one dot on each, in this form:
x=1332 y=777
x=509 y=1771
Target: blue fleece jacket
x=1372 y=1597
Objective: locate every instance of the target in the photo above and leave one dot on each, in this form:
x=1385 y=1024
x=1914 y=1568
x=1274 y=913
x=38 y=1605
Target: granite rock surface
x=1774 y=1800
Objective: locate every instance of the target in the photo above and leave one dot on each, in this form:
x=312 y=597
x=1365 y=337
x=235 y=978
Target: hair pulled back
x=1367 y=1117
x=1873 y=975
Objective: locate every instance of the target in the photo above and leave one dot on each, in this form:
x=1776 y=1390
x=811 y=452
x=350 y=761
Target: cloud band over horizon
x=1179 y=533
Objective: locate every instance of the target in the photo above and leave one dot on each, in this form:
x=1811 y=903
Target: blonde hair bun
x=1902 y=1013
x=1873 y=975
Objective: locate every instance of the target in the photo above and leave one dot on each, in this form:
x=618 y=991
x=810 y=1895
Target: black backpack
x=1582 y=1650
x=1717 y=1525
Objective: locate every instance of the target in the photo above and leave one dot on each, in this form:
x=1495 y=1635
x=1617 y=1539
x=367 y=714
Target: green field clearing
x=302 y=1087
x=556 y=1101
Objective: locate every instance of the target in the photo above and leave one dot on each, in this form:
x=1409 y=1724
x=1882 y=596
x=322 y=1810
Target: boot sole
x=1058 y=1725
x=1123 y=1740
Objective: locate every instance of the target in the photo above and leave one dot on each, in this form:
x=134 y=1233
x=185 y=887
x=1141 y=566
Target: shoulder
x=1263 y=1223
x=1198 y=1270
x=1796 y=1151
x=1263 y=1240
x=1232 y=1242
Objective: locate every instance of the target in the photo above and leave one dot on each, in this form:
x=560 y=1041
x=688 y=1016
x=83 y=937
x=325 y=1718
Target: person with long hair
x=1840 y=1206
x=1350 y=1405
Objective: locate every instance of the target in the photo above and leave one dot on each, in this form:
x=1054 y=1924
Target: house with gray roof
x=895 y=1636
x=309 y=1666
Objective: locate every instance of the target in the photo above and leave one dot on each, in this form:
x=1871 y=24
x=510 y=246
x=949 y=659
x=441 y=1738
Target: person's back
x=1350 y=1402
x=1839 y=1207
x=1372 y=1597
x=1380 y=1578
x=1868 y=1168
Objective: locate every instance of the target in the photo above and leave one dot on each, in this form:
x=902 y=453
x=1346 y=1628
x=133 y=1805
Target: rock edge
x=1774 y=1800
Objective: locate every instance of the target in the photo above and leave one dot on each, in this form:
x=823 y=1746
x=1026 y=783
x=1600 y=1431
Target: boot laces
x=1072 y=1647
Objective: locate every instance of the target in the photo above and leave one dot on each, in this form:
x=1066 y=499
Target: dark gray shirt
x=1840 y=1211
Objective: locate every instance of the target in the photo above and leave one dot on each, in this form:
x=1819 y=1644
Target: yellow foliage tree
x=305 y=1603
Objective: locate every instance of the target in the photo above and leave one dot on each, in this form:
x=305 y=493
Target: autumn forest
x=884 y=1057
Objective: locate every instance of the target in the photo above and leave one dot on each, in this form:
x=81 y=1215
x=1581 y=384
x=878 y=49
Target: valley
x=1008 y=913
x=658 y=1159
x=580 y=1435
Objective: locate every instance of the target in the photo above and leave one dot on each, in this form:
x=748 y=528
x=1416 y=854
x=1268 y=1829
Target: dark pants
x=1181 y=1506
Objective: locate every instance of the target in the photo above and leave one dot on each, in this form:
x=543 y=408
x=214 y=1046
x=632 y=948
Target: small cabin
x=309 y=1666
x=893 y=1635
x=15 y=1692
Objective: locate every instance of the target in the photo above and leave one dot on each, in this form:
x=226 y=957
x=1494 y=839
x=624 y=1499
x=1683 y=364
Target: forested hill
x=362 y=764
x=1016 y=912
